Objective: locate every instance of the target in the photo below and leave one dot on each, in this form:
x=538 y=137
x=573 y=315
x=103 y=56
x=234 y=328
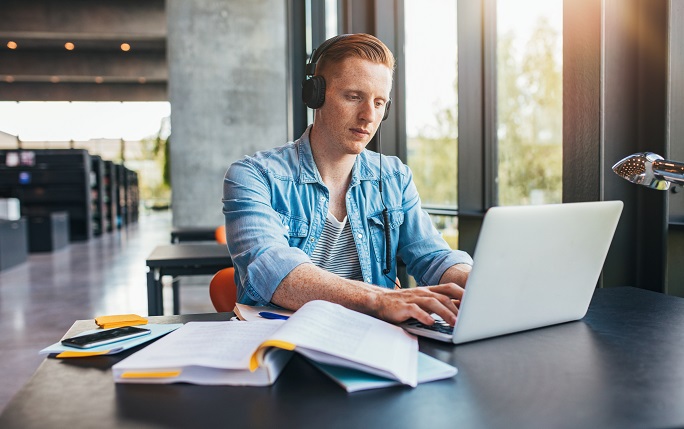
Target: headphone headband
x=313 y=87
x=317 y=53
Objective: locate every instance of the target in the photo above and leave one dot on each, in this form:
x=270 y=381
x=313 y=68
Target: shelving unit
x=97 y=194
x=132 y=196
x=50 y=180
x=121 y=210
x=110 y=196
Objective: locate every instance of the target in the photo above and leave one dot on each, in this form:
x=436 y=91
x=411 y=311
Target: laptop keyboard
x=440 y=326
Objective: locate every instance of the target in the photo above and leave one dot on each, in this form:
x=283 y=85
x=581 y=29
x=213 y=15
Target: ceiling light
x=69 y=46
x=99 y=79
x=12 y=45
x=125 y=47
x=9 y=79
x=142 y=80
x=54 y=79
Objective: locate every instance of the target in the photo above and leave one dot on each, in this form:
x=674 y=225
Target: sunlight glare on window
x=431 y=98
x=530 y=103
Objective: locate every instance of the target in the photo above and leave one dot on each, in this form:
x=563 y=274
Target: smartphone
x=105 y=337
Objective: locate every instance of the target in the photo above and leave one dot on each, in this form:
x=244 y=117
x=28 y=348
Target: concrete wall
x=227 y=88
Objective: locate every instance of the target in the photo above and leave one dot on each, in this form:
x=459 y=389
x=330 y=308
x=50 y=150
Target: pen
x=269 y=315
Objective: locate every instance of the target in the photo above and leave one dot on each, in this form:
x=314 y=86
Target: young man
x=305 y=220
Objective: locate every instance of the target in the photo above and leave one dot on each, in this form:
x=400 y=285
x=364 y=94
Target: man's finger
x=451 y=290
x=446 y=311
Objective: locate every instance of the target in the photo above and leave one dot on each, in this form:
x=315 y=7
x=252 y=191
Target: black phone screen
x=105 y=337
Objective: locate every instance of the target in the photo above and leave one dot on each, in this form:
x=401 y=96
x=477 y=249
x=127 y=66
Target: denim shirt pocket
x=377 y=232
x=297 y=229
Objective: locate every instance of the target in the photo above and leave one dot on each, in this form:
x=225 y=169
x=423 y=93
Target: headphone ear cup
x=313 y=92
x=387 y=109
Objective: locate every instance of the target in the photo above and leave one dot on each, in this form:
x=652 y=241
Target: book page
x=226 y=345
x=333 y=334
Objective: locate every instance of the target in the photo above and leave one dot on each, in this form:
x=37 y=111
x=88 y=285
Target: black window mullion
x=476 y=116
x=297 y=56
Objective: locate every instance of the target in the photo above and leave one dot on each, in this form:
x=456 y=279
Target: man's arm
x=307 y=282
x=456 y=274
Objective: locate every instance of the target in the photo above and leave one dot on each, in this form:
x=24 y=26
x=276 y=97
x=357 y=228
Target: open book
x=254 y=353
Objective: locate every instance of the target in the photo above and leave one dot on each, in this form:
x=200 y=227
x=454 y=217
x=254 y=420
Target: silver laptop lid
x=535 y=266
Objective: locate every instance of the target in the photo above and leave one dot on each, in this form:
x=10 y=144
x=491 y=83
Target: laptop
x=534 y=266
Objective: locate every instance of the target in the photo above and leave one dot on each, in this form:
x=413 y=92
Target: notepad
x=62 y=351
x=119 y=320
x=250 y=313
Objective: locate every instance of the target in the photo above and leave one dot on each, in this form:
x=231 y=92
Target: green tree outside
x=530 y=112
x=529 y=129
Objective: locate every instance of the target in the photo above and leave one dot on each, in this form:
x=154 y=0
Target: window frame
x=606 y=77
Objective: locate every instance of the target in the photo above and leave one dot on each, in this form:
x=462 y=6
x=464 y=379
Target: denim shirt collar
x=308 y=172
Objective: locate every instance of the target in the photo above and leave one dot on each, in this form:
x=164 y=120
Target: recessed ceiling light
x=69 y=46
x=125 y=47
x=12 y=45
x=99 y=79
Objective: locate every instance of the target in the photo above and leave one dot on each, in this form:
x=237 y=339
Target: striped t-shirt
x=336 y=250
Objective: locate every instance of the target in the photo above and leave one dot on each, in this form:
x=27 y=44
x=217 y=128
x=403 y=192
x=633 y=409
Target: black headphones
x=313 y=87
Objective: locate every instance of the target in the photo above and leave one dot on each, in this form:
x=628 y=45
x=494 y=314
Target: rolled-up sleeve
x=257 y=238
x=421 y=246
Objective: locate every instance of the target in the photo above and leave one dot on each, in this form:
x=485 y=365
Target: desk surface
x=181 y=234
x=181 y=260
x=620 y=367
x=174 y=255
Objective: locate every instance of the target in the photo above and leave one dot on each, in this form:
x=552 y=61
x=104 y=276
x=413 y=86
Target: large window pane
x=331 y=19
x=431 y=98
x=530 y=108
x=321 y=18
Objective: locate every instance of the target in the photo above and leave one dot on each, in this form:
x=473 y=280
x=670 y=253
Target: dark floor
x=40 y=299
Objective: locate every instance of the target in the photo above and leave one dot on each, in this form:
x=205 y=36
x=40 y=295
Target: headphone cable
x=385 y=213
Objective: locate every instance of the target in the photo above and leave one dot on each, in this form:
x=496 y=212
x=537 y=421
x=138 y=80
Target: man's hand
x=418 y=303
x=307 y=282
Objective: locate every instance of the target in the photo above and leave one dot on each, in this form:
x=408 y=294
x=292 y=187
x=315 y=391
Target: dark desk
x=621 y=367
x=181 y=260
x=181 y=234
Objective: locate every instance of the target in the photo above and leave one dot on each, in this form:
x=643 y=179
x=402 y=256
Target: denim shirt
x=275 y=205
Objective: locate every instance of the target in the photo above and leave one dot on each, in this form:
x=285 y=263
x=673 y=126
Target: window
x=430 y=63
x=431 y=99
x=321 y=23
x=529 y=105
x=331 y=19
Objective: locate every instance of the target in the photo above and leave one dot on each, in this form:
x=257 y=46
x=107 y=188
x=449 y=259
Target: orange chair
x=220 y=234
x=223 y=291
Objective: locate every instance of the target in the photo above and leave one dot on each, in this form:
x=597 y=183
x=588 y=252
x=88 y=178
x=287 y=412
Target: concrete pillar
x=227 y=88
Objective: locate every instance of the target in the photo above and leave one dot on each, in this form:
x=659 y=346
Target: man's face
x=356 y=95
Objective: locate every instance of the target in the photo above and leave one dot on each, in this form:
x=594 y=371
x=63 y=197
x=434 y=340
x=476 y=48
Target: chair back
x=220 y=235
x=223 y=291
